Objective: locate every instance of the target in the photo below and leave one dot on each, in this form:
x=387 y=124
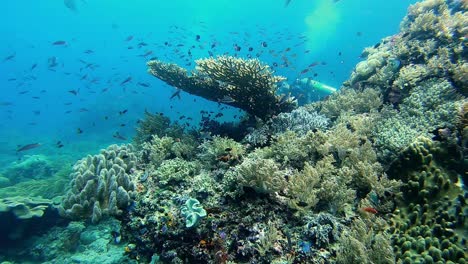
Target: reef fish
x=71 y=4
x=28 y=147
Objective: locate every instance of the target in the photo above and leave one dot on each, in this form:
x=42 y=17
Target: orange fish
x=369 y=210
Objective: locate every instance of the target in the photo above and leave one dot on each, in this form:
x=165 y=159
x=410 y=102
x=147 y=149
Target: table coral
x=247 y=84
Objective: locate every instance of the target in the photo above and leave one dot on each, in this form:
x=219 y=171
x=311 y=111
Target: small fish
x=123 y=112
x=143 y=84
x=33 y=66
x=88 y=51
x=149 y=52
x=176 y=93
x=79 y=131
x=126 y=80
x=197 y=38
x=74 y=92
x=118 y=136
x=9 y=57
x=129 y=38
x=144 y=176
x=59 y=144
x=287 y=3
x=59 y=43
x=28 y=147
x=369 y=210
x=264 y=44
x=226 y=100
x=304 y=71
x=71 y=4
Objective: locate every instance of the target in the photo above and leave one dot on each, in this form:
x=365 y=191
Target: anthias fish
x=28 y=147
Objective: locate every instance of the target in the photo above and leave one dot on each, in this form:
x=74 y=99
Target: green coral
x=193 y=212
x=428 y=107
x=349 y=101
x=263 y=175
x=157 y=150
x=31 y=167
x=155 y=124
x=365 y=243
x=221 y=151
x=247 y=84
x=175 y=170
x=431 y=218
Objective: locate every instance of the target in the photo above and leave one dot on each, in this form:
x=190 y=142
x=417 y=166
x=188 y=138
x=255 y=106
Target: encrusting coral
x=101 y=185
x=247 y=84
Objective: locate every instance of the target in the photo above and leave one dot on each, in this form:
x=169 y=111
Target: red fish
x=369 y=210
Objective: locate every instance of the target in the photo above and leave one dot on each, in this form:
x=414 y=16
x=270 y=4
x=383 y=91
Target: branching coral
x=246 y=84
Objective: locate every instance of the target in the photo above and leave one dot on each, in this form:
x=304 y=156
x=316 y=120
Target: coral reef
x=243 y=83
x=101 y=185
x=372 y=174
x=430 y=223
x=431 y=44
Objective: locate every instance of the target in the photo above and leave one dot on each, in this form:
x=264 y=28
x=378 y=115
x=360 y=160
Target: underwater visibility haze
x=248 y=131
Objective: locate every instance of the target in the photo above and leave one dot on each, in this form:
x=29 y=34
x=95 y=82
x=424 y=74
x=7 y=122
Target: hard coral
x=247 y=84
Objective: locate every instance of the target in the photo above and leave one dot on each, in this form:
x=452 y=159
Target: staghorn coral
x=245 y=84
x=101 y=185
x=300 y=121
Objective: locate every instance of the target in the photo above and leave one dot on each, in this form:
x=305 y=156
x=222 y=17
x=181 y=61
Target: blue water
x=315 y=31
